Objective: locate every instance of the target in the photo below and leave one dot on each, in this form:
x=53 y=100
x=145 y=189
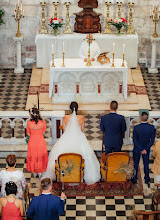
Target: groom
x=114 y=127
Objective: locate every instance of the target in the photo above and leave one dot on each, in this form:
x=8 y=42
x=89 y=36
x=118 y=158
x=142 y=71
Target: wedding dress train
x=73 y=140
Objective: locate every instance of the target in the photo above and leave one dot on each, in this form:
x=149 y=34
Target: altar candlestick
x=18 y=2
x=52 y=48
x=113 y=47
x=123 y=47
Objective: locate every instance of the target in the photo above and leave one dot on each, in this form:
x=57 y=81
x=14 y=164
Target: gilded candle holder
x=53 y=61
x=63 y=65
x=113 y=60
x=130 y=26
x=55 y=15
x=107 y=29
x=68 y=26
x=18 y=15
x=43 y=29
x=155 y=17
x=123 y=61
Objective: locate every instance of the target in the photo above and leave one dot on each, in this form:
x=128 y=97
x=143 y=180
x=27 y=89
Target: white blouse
x=17 y=177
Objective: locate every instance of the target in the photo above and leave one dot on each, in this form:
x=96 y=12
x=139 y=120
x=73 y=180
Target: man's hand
x=85 y=59
x=92 y=59
x=63 y=196
x=144 y=152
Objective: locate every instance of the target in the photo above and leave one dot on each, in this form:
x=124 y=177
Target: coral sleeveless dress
x=11 y=212
x=37 y=156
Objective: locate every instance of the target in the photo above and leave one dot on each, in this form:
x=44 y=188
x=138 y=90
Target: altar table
x=73 y=42
x=95 y=84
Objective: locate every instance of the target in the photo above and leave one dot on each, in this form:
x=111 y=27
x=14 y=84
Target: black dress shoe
x=149 y=185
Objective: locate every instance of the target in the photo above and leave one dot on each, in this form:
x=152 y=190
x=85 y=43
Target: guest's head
x=144 y=116
x=74 y=106
x=35 y=114
x=46 y=185
x=114 y=106
x=11 y=160
x=11 y=188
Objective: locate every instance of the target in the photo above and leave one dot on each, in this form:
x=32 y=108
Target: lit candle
x=113 y=47
x=123 y=48
x=63 y=46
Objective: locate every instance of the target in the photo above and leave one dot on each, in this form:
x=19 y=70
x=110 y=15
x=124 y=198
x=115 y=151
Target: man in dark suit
x=46 y=206
x=113 y=126
x=143 y=139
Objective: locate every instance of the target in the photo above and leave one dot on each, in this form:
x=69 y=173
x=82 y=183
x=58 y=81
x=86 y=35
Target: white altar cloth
x=97 y=83
x=73 y=42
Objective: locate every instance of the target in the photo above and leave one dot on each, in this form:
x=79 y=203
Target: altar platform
x=137 y=95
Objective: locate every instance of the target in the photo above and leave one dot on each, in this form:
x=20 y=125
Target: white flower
x=55 y=21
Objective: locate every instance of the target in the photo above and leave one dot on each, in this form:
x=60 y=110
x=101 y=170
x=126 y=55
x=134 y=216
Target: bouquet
x=55 y=23
x=119 y=23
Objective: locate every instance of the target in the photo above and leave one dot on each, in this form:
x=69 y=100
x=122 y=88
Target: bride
x=73 y=140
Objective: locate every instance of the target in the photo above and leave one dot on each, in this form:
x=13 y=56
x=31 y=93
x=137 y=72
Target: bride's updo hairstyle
x=74 y=105
x=35 y=115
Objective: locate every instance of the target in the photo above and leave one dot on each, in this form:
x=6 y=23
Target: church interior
x=54 y=52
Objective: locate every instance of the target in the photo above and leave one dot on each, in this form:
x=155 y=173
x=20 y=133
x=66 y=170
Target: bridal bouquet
x=119 y=23
x=55 y=23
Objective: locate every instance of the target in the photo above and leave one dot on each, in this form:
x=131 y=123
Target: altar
x=95 y=84
x=73 y=42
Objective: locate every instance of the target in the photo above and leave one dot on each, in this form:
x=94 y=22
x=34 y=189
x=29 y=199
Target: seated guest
x=114 y=127
x=11 y=208
x=156 y=165
x=46 y=206
x=11 y=174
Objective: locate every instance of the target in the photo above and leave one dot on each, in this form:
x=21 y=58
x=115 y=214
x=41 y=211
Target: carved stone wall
x=31 y=24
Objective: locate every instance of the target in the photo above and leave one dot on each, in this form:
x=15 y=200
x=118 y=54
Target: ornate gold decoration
x=63 y=65
x=55 y=15
x=113 y=60
x=19 y=13
x=123 y=61
x=155 y=17
x=68 y=26
x=102 y=58
x=53 y=61
x=43 y=29
x=130 y=26
x=107 y=29
x=89 y=52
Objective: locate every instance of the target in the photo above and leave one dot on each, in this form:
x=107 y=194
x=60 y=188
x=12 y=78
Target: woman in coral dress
x=37 y=156
x=11 y=208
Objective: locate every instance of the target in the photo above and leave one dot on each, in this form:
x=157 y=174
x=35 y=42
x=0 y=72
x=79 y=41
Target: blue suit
x=45 y=207
x=143 y=139
x=113 y=126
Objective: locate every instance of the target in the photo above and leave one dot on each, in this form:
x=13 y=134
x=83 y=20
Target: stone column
x=153 y=68
x=19 y=68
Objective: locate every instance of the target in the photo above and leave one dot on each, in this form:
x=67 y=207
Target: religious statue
x=89 y=44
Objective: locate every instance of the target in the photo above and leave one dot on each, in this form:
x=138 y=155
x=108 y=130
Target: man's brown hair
x=11 y=160
x=114 y=105
x=144 y=116
x=45 y=183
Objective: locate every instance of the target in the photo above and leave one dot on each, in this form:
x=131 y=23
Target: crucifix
x=89 y=51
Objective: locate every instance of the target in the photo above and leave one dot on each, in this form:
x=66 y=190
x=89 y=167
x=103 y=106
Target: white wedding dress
x=73 y=140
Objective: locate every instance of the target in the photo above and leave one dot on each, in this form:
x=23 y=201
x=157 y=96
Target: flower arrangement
x=55 y=23
x=119 y=23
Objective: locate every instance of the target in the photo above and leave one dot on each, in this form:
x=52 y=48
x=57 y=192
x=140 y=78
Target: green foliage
x=1 y=15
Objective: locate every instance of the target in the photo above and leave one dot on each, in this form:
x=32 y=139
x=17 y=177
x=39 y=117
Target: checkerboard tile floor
x=152 y=82
x=13 y=89
x=94 y=208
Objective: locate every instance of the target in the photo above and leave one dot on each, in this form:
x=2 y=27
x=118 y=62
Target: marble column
x=153 y=68
x=19 y=68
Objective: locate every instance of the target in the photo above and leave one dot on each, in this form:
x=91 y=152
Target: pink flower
x=116 y=21
x=59 y=20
